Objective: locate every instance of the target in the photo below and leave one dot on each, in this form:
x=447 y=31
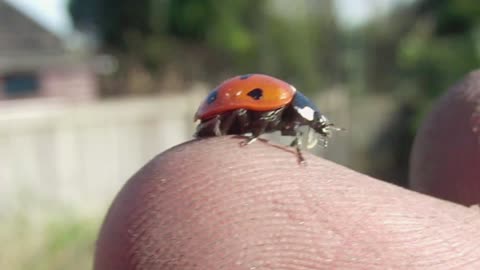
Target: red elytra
x=241 y=93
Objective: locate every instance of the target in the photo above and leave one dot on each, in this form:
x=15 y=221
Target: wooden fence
x=57 y=156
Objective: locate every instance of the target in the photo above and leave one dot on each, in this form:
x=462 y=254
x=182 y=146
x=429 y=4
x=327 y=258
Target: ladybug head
x=312 y=116
x=322 y=126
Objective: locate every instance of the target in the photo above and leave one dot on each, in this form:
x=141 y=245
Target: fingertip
x=445 y=157
x=210 y=204
x=196 y=195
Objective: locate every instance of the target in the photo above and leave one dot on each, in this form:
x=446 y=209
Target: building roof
x=24 y=43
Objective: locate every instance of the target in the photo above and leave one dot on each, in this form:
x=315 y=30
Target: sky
x=353 y=12
x=53 y=15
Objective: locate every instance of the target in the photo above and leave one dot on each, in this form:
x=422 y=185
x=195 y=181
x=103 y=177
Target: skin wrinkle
x=228 y=208
x=273 y=200
x=292 y=244
x=345 y=234
x=142 y=224
x=208 y=233
x=472 y=253
x=355 y=225
x=429 y=244
x=145 y=238
x=138 y=221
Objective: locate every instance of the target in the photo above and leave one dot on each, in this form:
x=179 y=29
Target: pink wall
x=2 y=93
x=78 y=83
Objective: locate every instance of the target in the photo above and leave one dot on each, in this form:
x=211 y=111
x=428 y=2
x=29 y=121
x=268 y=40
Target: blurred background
x=90 y=90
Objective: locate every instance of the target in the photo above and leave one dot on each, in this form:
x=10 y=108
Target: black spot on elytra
x=246 y=76
x=212 y=97
x=256 y=93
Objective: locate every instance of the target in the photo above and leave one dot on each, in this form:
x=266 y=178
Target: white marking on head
x=306 y=112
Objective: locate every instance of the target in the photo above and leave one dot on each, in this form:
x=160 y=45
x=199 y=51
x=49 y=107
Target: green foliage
x=440 y=47
x=452 y=17
x=443 y=45
x=413 y=53
x=63 y=243
x=427 y=45
x=137 y=25
x=235 y=36
x=436 y=62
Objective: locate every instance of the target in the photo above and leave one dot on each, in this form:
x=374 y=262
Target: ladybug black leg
x=248 y=141
x=209 y=128
x=243 y=123
x=293 y=130
x=271 y=116
x=228 y=121
x=259 y=126
x=216 y=127
x=243 y=120
x=324 y=142
x=255 y=134
x=297 y=143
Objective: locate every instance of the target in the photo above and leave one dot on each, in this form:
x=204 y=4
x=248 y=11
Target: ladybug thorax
x=305 y=108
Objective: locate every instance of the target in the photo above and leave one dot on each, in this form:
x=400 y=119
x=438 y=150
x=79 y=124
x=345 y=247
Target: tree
x=443 y=45
x=212 y=39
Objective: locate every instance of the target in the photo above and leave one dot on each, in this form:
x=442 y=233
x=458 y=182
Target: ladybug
x=258 y=104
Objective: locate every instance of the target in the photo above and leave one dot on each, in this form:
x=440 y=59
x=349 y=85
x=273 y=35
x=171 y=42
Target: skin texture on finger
x=211 y=204
x=445 y=160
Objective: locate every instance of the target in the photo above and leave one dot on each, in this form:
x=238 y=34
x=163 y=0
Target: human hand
x=209 y=204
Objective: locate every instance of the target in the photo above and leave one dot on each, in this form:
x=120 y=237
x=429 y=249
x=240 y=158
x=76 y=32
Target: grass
x=64 y=242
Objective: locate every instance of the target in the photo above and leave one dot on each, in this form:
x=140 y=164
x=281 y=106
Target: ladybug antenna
x=328 y=128
x=322 y=126
x=325 y=129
